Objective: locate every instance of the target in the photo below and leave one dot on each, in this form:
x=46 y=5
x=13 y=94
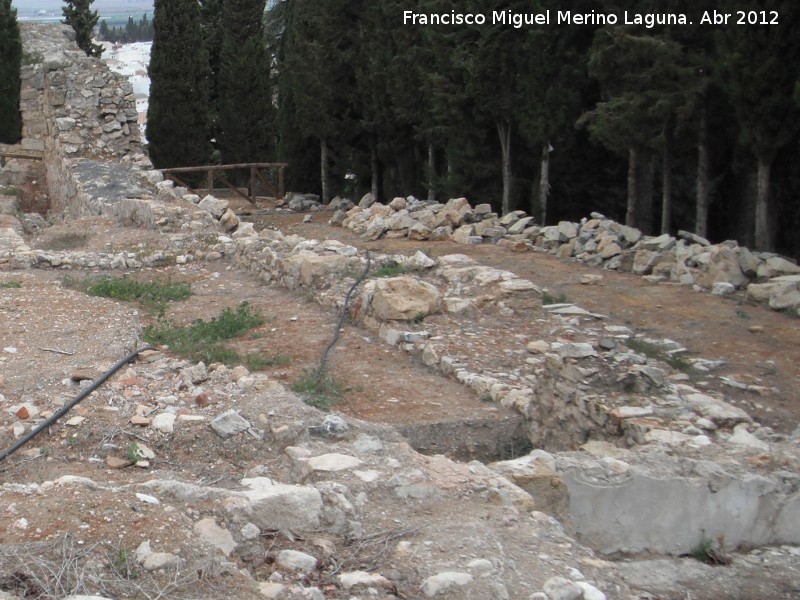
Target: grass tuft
x=319 y=390
x=8 y=285
x=677 y=361
x=391 y=269
x=548 y=298
x=152 y=295
x=205 y=340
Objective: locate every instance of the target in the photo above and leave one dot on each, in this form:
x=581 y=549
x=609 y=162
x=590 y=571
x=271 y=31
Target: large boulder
x=404 y=299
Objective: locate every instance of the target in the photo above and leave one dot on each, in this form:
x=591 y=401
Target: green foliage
x=205 y=340
x=132 y=453
x=258 y=362
x=319 y=390
x=244 y=101
x=177 y=115
x=153 y=295
x=703 y=548
x=391 y=269
x=10 y=61
x=141 y=31
x=79 y=15
x=677 y=361
x=548 y=298
x=10 y=285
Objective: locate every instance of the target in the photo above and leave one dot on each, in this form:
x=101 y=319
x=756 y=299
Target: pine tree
x=177 y=116
x=758 y=69
x=245 y=112
x=80 y=16
x=10 y=60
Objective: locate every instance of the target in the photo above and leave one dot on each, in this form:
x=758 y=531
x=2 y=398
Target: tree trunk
x=431 y=172
x=644 y=191
x=544 y=181
x=666 y=181
x=633 y=192
x=504 y=132
x=763 y=230
x=373 y=160
x=325 y=172
x=701 y=214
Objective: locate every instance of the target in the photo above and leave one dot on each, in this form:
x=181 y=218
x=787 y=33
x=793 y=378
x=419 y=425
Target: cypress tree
x=244 y=98
x=177 y=115
x=80 y=16
x=10 y=60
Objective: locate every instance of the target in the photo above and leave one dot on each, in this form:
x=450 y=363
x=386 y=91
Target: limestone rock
x=278 y=506
x=214 y=206
x=442 y=582
x=559 y=588
x=356 y=579
x=230 y=423
x=296 y=561
x=404 y=299
x=215 y=535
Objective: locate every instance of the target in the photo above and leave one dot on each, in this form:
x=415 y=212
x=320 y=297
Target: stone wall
x=73 y=107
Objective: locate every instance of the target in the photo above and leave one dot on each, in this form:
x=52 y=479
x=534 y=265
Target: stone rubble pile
x=332 y=484
x=598 y=241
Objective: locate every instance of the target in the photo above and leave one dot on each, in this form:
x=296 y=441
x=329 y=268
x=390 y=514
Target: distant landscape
x=113 y=11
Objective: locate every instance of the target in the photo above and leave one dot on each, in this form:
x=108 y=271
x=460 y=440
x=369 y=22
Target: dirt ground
x=378 y=384
x=710 y=327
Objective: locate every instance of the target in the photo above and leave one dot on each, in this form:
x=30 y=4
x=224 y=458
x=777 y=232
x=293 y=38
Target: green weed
x=133 y=452
x=152 y=295
x=677 y=361
x=319 y=390
x=205 y=340
x=548 y=298
x=391 y=269
x=258 y=362
x=10 y=285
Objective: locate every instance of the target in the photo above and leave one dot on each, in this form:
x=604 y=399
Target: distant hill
x=112 y=10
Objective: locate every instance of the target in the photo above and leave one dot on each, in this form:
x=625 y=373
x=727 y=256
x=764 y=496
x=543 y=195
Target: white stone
x=558 y=588
x=353 y=579
x=743 y=437
x=215 y=535
x=230 y=423
x=269 y=589
x=442 y=582
x=330 y=463
x=296 y=561
x=164 y=422
x=590 y=592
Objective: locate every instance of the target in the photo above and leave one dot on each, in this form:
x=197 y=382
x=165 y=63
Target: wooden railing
x=216 y=171
x=25 y=154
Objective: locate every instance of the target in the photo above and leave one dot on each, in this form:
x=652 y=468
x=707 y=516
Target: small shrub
x=391 y=269
x=9 y=191
x=133 y=452
x=319 y=390
x=677 y=361
x=8 y=285
x=548 y=298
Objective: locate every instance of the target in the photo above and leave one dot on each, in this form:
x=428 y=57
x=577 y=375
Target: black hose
x=64 y=409
x=321 y=369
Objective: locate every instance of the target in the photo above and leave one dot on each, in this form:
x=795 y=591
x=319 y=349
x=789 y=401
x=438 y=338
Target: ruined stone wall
x=73 y=107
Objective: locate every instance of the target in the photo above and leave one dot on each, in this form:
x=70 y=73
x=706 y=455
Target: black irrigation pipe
x=66 y=408
x=324 y=358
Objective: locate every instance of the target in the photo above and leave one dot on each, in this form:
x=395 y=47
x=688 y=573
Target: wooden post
x=253 y=185
x=280 y=182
